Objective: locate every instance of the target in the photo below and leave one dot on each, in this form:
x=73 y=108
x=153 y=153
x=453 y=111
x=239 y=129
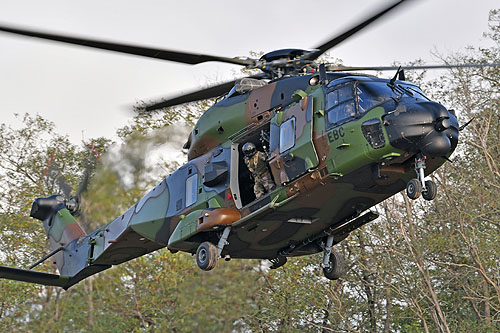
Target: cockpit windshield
x=373 y=93
x=350 y=99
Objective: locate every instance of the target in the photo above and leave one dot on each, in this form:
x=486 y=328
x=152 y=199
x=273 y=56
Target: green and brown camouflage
x=327 y=174
x=242 y=111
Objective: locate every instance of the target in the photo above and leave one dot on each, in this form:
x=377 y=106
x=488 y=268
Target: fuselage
x=334 y=148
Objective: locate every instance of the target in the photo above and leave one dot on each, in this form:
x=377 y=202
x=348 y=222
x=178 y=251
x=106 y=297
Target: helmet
x=249 y=149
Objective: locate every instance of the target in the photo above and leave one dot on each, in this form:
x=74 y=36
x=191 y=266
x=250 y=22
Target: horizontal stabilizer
x=33 y=276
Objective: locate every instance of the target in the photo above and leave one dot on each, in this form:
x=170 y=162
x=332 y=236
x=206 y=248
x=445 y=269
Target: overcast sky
x=87 y=91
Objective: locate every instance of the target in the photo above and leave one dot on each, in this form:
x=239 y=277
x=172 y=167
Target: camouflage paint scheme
x=330 y=175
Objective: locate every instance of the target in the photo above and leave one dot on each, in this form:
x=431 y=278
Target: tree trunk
x=487 y=309
x=410 y=239
x=91 y=301
x=388 y=307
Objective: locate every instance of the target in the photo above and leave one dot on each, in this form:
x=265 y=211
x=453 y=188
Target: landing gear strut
x=333 y=262
x=208 y=254
x=415 y=186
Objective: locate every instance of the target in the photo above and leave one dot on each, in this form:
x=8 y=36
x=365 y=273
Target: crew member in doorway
x=256 y=162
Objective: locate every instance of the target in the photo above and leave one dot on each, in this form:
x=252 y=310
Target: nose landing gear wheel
x=414 y=189
x=206 y=256
x=336 y=266
x=430 y=190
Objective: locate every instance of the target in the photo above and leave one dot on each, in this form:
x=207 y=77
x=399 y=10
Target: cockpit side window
x=371 y=94
x=340 y=104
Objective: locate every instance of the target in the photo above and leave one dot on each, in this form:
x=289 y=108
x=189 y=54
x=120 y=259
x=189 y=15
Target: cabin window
x=191 y=189
x=287 y=135
x=340 y=104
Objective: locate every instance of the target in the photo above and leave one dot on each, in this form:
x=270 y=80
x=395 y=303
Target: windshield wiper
x=406 y=90
x=397 y=91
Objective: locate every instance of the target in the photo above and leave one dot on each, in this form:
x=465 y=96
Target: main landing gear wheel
x=336 y=266
x=430 y=190
x=207 y=256
x=414 y=189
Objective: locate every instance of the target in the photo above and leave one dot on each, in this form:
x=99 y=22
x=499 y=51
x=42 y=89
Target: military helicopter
x=336 y=144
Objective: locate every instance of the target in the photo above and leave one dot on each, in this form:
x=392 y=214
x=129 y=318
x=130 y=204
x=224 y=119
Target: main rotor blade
x=193 y=96
x=206 y=93
x=183 y=57
x=319 y=50
x=342 y=68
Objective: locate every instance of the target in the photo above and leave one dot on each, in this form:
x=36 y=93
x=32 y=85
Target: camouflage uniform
x=258 y=167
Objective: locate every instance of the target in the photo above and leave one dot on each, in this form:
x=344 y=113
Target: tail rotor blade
x=54 y=172
x=65 y=188
x=83 y=187
x=90 y=166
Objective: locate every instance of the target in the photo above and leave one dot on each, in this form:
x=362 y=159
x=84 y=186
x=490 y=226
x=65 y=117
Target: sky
x=89 y=93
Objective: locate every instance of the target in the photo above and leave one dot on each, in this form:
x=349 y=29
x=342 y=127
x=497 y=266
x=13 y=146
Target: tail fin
x=60 y=225
x=64 y=234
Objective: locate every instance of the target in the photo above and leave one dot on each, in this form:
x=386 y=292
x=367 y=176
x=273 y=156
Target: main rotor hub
x=290 y=54
x=286 y=62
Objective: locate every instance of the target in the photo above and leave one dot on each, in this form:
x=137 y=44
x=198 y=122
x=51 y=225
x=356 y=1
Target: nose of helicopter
x=422 y=126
